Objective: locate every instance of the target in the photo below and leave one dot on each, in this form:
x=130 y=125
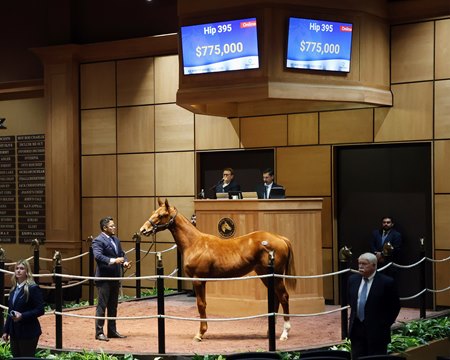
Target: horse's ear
x=167 y=204
x=160 y=202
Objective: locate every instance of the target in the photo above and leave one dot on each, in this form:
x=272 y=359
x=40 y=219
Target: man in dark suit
x=263 y=190
x=228 y=183
x=110 y=259
x=375 y=305
x=385 y=244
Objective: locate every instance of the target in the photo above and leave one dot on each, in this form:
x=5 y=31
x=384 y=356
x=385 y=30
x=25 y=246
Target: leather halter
x=160 y=227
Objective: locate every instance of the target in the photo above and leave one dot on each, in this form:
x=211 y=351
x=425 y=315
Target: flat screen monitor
x=277 y=192
x=319 y=45
x=220 y=46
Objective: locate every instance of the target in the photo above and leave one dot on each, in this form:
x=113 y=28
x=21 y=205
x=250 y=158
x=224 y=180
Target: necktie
x=16 y=292
x=362 y=300
x=114 y=245
x=266 y=191
x=383 y=237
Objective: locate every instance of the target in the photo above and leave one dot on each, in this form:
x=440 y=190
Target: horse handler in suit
x=375 y=305
x=110 y=259
x=25 y=305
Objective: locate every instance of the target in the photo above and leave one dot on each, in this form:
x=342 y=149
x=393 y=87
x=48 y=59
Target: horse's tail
x=290 y=266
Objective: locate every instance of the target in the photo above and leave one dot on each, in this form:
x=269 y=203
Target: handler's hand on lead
x=119 y=260
x=127 y=264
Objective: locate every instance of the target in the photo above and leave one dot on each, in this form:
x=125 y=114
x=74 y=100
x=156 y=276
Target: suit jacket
x=28 y=327
x=394 y=237
x=232 y=186
x=382 y=306
x=103 y=251
x=261 y=189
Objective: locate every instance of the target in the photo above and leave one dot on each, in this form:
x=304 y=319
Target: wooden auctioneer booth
x=297 y=219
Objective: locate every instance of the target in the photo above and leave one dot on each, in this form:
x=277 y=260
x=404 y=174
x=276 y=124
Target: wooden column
x=62 y=151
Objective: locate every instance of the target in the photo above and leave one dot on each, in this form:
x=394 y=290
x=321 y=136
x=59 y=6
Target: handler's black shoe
x=116 y=335
x=101 y=337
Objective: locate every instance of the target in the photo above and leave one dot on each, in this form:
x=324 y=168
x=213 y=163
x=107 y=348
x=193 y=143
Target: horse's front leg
x=200 y=293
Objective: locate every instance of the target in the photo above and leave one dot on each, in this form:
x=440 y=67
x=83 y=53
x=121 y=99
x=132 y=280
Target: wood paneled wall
x=137 y=144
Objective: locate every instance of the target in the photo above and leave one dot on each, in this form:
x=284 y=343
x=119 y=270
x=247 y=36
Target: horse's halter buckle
x=160 y=227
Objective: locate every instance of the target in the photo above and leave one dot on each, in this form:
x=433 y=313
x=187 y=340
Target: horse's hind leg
x=283 y=298
x=200 y=294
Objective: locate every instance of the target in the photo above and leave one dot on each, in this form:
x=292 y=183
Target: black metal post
x=271 y=303
x=91 y=273
x=36 y=269
x=58 y=300
x=345 y=257
x=2 y=288
x=137 y=239
x=179 y=271
x=423 y=264
x=160 y=290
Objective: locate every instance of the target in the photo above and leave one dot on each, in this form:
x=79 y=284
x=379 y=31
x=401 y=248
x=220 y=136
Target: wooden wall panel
x=214 y=132
x=442 y=109
x=327 y=264
x=98 y=85
x=442 y=54
x=98 y=131
x=263 y=131
x=136 y=129
x=174 y=128
x=412 y=49
x=346 y=126
x=174 y=173
x=94 y=209
x=98 y=174
x=303 y=129
x=132 y=213
x=442 y=269
x=305 y=171
x=442 y=166
x=135 y=174
x=135 y=82
x=441 y=222
x=166 y=79
x=327 y=223
x=411 y=118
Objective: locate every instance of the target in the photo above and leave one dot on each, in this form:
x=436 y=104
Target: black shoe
x=101 y=337
x=116 y=335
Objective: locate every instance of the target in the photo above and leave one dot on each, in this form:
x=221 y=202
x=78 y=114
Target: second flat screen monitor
x=319 y=45
x=220 y=46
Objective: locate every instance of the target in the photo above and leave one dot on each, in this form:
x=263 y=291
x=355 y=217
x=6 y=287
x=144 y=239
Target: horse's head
x=161 y=219
x=388 y=249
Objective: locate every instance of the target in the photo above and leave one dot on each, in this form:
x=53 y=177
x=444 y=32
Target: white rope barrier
x=414 y=296
x=317 y=314
x=409 y=266
x=442 y=260
x=162 y=251
x=311 y=276
x=73 y=257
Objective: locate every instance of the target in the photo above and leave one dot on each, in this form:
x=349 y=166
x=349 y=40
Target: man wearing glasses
x=227 y=183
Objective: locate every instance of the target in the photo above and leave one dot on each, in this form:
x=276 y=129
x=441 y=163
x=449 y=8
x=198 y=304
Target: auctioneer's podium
x=297 y=219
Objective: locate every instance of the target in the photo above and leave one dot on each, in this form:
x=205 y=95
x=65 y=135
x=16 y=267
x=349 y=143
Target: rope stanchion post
x=36 y=270
x=160 y=292
x=137 y=240
x=423 y=297
x=271 y=303
x=2 y=286
x=179 y=271
x=58 y=298
x=91 y=272
x=345 y=257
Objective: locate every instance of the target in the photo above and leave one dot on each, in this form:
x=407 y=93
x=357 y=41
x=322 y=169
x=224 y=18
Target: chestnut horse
x=208 y=256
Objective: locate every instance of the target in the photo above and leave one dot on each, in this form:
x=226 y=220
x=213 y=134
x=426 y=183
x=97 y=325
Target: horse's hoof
x=197 y=338
x=283 y=338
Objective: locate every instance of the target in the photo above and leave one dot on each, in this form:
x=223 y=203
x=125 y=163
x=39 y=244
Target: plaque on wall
x=31 y=187
x=8 y=217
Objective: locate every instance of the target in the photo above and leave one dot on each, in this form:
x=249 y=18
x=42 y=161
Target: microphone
x=221 y=181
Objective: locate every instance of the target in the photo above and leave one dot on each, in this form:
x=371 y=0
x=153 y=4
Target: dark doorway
x=247 y=164
x=387 y=180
